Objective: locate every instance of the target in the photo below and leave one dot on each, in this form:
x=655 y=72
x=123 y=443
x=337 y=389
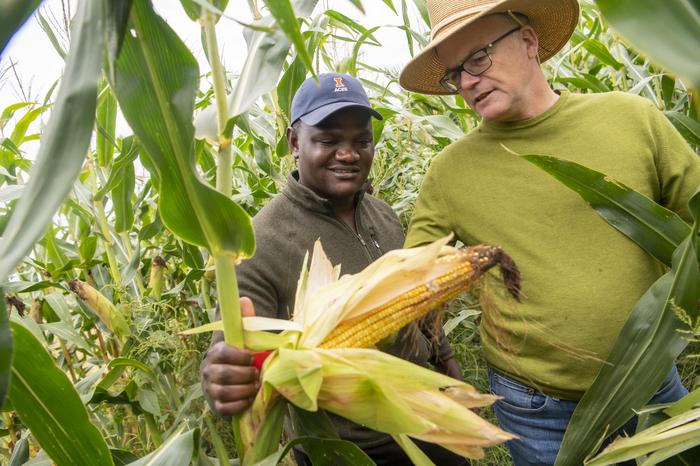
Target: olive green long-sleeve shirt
x=581 y=278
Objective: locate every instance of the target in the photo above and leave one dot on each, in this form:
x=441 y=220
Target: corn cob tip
x=76 y=286
x=486 y=257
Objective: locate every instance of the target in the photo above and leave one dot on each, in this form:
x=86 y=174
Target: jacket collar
x=308 y=199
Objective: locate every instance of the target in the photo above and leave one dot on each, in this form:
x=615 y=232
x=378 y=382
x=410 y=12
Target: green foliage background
x=142 y=391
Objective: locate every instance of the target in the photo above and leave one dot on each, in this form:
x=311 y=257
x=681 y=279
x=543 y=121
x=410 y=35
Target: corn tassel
x=103 y=307
x=469 y=265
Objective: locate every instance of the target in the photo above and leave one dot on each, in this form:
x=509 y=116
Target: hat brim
x=553 y=20
x=317 y=116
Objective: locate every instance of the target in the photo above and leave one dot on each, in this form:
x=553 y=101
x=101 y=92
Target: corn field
x=123 y=209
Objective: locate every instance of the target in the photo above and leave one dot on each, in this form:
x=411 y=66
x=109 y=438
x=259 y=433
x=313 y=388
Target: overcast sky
x=37 y=65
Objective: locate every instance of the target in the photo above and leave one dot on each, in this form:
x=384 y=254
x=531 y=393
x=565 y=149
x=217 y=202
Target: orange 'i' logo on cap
x=339 y=84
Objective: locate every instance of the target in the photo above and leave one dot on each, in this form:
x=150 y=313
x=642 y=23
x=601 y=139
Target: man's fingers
x=232 y=408
x=231 y=399
x=221 y=353
x=247 y=308
x=226 y=374
x=231 y=393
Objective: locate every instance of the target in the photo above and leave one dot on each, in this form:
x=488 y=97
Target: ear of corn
x=324 y=363
x=157 y=278
x=464 y=268
x=103 y=307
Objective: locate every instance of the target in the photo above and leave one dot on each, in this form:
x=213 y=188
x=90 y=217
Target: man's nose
x=347 y=153
x=467 y=81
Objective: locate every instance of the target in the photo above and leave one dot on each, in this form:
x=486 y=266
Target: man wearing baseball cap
x=330 y=136
x=581 y=278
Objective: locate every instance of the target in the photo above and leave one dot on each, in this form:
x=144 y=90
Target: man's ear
x=532 y=42
x=293 y=142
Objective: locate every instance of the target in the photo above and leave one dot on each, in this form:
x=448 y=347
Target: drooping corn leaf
x=662 y=439
x=267 y=52
x=5 y=349
x=178 y=450
x=680 y=50
x=642 y=355
x=156 y=80
x=49 y=405
x=654 y=228
x=60 y=158
x=294 y=76
x=286 y=18
x=13 y=14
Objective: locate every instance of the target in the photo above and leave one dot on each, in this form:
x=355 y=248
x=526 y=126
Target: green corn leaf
x=20 y=130
x=642 y=355
x=48 y=404
x=680 y=51
x=417 y=456
x=292 y=78
x=157 y=77
x=194 y=8
x=268 y=436
x=689 y=128
x=358 y=4
x=106 y=123
x=407 y=26
x=51 y=35
x=10 y=111
x=422 y=7
x=322 y=452
x=267 y=52
x=661 y=439
x=286 y=18
x=13 y=13
x=129 y=151
x=178 y=450
x=348 y=22
x=128 y=362
x=600 y=51
x=121 y=198
x=390 y=4
x=356 y=48
x=668 y=88
x=117 y=19
x=5 y=349
x=60 y=157
x=656 y=229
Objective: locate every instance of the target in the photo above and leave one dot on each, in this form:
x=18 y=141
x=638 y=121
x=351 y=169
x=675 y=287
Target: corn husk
x=365 y=385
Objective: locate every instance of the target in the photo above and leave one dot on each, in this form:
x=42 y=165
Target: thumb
x=247 y=308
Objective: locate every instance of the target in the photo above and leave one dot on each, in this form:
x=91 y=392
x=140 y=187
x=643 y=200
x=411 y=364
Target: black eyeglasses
x=475 y=64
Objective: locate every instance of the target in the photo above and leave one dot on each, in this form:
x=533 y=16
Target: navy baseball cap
x=315 y=101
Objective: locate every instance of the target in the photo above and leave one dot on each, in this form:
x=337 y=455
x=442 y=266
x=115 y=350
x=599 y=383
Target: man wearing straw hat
x=581 y=278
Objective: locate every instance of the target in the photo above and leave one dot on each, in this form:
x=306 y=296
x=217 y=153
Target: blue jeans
x=540 y=420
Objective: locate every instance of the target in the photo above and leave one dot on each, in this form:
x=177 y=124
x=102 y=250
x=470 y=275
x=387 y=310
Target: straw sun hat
x=553 y=21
